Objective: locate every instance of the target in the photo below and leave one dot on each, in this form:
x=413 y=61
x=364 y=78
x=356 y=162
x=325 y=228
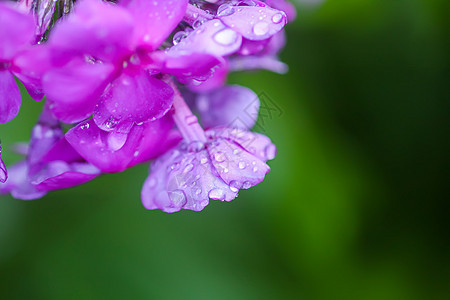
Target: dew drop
x=216 y=194
x=219 y=156
x=225 y=37
x=235 y=186
x=246 y=185
x=178 y=198
x=277 y=18
x=261 y=28
x=188 y=168
x=242 y=165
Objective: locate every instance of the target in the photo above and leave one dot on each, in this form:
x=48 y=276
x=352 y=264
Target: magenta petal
x=217 y=80
x=96 y=146
x=254 y=22
x=157 y=138
x=195 y=66
x=133 y=99
x=96 y=28
x=60 y=175
x=231 y=106
x=10 y=97
x=16 y=30
x=285 y=6
x=212 y=37
x=18 y=184
x=154 y=20
x=237 y=167
x=62 y=150
x=74 y=89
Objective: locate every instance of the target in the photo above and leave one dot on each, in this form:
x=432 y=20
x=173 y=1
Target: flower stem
x=185 y=120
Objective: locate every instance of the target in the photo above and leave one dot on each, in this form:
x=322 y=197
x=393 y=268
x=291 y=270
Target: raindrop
x=219 y=156
x=225 y=37
x=277 y=18
x=261 y=28
x=188 y=168
x=178 y=198
x=242 y=165
x=216 y=194
x=246 y=185
x=235 y=186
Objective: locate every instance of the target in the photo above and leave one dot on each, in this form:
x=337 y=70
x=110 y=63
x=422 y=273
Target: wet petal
x=97 y=28
x=133 y=98
x=257 y=144
x=18 y=184
x=217 y=80
x=253 y=22
x=97 y=147
x=232 y=106
x=154 y=20
x=180 y=180
x=211 y=37
x=285 y=6
x=10 y=97
x=60 y=175
x=16 y=30
x=237 y=167
x=74 y=89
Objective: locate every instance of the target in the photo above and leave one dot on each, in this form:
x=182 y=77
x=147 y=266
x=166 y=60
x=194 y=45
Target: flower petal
x=232 y=106
x=10 y=94
x=237 y=167
x=3 y=172
x=154 y=20
x=212 y=37
x=18 y=184
x=16 y=30
x=60 y=175
x=96 y=28
x=130 y=99
x=97 y=147
x=74 y=89
x=253 y=22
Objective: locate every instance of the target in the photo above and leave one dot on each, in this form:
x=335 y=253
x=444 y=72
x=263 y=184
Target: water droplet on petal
x=204 y=160
x=198 y=191
x=225 y=37
x=188 y=168
x=246 y=185
x=261 y=28
x=219 y=156
x=235 y=186
x=178 y=198
x=216 y=194
x=277 y=18
x=242 y=165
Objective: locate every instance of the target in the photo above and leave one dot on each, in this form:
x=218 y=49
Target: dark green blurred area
x=355 y=207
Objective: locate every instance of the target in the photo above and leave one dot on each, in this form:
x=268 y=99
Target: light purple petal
x=217 y=80
x=97 y=147
x=60 y=175
x=74 y=89
x=96 y=28
x=18 y=184
x=237 y=167
x=16 y=30
x=212 y=37
x=132 y=98
x=255 y=143
x=285 y=6
x=232 y=106
x=180 y=180
x=253 y=22
x=154 y=20
x=10 y=97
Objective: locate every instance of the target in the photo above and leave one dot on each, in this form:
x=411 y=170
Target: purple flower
x=16 y=34
x=234 y=106
x=188 y=176
x=51 y=164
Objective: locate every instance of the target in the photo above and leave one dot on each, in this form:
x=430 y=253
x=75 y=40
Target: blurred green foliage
x=355 y=207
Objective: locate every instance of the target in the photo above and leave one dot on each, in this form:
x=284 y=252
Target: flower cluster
x=117 y=78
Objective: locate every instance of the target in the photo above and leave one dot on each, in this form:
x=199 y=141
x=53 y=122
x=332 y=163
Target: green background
x=355 y=207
